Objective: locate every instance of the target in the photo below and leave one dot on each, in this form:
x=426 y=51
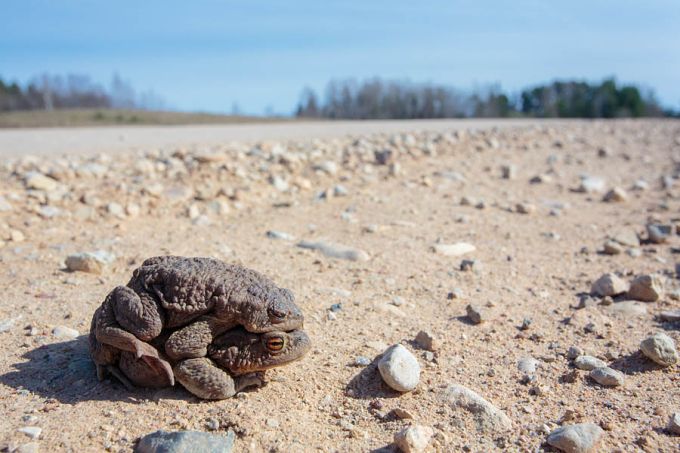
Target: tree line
x=52 y=92
x=379 y=99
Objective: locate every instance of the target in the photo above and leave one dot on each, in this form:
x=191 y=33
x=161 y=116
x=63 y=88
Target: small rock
x=84 y=262
x=340 y=191
x=38 y=181
x=475 y=313
x=613 y=248
x=659 y=234
x=573 y=352
x=399 y=369
x=279 y=183
x=670 y=315
x=65 y=332
x=132 y=209
x=336 y=250
x=115 y=209
x=580 y=438
x=362 y=361
x=646 y=288
x=628 y=308
x=414 y=439
x=590 y=184
x=615 y=195
x=609 y=285
x=525 y=208
x=185 y=441
x=5 y=205
x=16 y=236
x=660 y=348
x=427 y=341
x=674 y=423
x=31 y=431
x=458 y=249
x=627 y=237
x=527 y=365
x=7 y=324
x=607 y=377
x=488 y=417
x=509 y=171
x=273 y=234
x=588 y=363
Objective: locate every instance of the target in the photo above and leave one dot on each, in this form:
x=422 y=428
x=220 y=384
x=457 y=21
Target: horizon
x=260 y=56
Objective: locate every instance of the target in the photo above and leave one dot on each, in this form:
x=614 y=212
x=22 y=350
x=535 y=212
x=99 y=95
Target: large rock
x=399 y=369
x=185 y=442
x=609 y=285
x=580 y=438
x=646 y=288
x=660 y=348
x=488 y=417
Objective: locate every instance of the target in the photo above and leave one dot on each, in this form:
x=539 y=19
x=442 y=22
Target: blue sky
x=207 y=55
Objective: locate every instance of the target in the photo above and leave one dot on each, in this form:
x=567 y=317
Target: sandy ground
x=526 y=266
x=91 y=140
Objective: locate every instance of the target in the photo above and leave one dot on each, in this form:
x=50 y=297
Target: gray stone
x=336 y=250
x=573 y=352
x=660 y=348
x=646 y=288
x=85 y=262
x=65 y=332
x=399 y=368
x=185 y=442
x=591 y=184
x=414 y=439
x=31 y=431
x=588 y=363
x=488 y=417
x=658 y=233
x=628 y=308
x=527 y=365
x=609 y=285
x=7 y=324
x=607 y=377
x=580 y=438
x=674 y=423
x=613 y=248
x=627 y=237
x=670 y=315
x=273 y=234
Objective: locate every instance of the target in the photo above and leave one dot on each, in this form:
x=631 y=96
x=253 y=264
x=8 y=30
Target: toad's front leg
x=192 y=341
x=206 y=380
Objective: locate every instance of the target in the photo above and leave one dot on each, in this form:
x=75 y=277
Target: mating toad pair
x=212 y=326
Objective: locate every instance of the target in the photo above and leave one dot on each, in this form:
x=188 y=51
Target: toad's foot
x=206 y=380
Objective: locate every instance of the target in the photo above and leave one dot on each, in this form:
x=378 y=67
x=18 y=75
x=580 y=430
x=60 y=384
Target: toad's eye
x=275 y=343
x=280 y=314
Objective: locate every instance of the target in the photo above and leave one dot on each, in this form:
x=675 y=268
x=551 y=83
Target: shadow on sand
x=368 y=384
x=65 y=372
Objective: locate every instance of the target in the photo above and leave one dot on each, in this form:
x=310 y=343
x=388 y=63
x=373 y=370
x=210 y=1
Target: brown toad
x=168 y=292
x=235 y=360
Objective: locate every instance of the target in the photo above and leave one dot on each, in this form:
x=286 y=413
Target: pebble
x=65 y=332
x=427 y=341
x=660 y=348
x=607 y=377
x=414 y=439
x=580 y=438
x=457 y=249
x=115 y=209
x=573 y=352
x=615 y=195
x=525 y=208
x=609 y=285
x=646 y=288
x=273 y=234
x=48 y=212
x=5 y=206
x=668 y=316
x=336 y=250
x=31 y=431
x=509 y=171
x=38 y=181
x=399 y=368
x=613 y=248
x=185 y=441
x=658 y=233
x=475 y=313
x=627 y=237
x=628 y=308
x=84 y=262
x=588 y=363
x=362 y=361
x=591 y=184
x=527 y=365
x=674 y=423
x=488 y=418
x=7 y=324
